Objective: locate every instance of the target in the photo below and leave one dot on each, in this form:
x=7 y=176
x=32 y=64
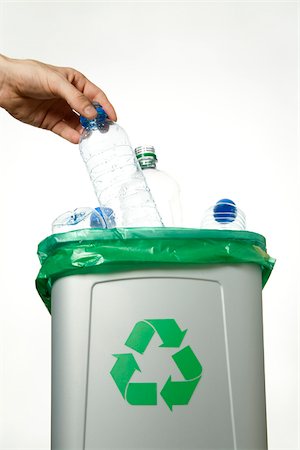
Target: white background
x=214 y=87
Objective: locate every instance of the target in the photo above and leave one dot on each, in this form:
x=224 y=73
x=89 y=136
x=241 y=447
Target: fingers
x=90 y=90
x=64 y=128
x=67 y=132
x=72 y=120
x=96 y=94
x=76 y=99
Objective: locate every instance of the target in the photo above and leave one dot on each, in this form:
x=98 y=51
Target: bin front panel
x=137 y=342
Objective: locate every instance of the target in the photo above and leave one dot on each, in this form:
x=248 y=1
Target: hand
x=45 y=96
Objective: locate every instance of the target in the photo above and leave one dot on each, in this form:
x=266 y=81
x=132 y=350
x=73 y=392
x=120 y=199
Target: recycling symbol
x=173 y=392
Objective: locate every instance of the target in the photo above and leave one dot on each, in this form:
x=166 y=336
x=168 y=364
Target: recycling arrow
x=167 y=329
x=169 y=332
x=140 y=337
x=142 y=394
x=173 y=392
x=123 y=370
x=187 y=363
x=178 y=392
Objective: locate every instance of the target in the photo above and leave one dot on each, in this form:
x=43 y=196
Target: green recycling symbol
x=173 y=392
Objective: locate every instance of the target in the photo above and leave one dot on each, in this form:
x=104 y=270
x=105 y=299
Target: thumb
x=76 y=99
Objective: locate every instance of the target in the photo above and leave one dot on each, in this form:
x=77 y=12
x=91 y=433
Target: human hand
x=45 y=96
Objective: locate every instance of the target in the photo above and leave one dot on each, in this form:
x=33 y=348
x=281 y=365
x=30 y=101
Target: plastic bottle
x=117 y=178
x=106 y=214
x=79 y=219
x=164 y=188
x=224 y=215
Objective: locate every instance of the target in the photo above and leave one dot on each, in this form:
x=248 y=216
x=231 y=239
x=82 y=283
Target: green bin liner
x=92 y=251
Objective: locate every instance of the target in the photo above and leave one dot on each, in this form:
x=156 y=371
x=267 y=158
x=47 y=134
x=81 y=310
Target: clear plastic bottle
x=106 y=214
x=117 y=178
x=164 y=188
x=224 y=215
x=79 y=219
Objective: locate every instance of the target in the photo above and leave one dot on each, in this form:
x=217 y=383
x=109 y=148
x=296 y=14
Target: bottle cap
x=108 y=216
x=99 y=120
x=145 y=150
x=224 y=215
x=225 y=211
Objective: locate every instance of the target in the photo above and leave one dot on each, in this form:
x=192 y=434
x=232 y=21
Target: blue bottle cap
x=108 y=216
x=225 y=211
x=90 y=124
x=97 y=220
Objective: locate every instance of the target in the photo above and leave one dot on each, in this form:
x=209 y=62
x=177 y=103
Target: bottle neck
x=146 y=156
x=147 y=162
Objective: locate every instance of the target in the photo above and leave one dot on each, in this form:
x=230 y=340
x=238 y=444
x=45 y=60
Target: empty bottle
x=164 y=188
x=117 y=178
x=106 y=214
x=224 y=215
x=78 y=219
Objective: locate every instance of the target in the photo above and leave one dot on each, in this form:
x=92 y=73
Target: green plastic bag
x=91 y=251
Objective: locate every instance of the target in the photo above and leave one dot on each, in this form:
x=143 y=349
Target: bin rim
x=90 y=251
x=52 y=242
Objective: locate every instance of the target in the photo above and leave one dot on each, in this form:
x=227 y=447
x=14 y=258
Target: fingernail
x=89 y=110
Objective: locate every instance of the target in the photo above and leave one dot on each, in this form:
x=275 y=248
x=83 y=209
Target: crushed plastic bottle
x=164 y=188
x=224 y=215
x=117 y=178
x=106 y=214
x=81 y=218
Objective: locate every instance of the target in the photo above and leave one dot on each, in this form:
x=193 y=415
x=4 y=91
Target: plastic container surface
x=165 y=190
x=117 y=178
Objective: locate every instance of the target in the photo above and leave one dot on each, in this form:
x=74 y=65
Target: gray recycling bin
x=157 y=339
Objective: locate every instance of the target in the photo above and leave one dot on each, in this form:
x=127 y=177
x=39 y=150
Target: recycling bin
x=157 y=338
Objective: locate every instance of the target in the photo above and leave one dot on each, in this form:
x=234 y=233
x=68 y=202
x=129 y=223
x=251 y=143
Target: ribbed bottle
x=117 y=178
x=165 y=190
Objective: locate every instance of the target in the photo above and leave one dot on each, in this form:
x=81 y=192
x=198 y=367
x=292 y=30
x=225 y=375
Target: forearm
x=5 y=79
